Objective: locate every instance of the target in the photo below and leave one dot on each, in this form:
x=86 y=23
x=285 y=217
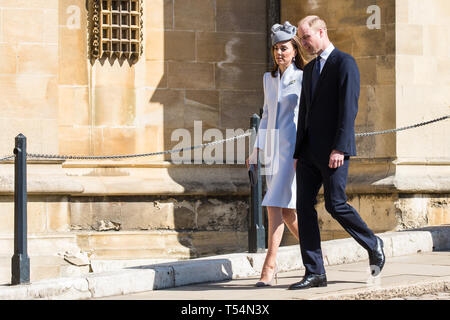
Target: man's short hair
x=314 y=22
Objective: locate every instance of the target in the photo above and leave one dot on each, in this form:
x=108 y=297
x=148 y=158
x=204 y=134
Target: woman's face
x=284 y=52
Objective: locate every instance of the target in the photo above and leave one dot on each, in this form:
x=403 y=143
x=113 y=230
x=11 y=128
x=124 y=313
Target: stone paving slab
x=347 y=269
x=350 y=281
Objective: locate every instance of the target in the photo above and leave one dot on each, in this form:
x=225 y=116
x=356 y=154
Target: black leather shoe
x=310 y=281
x=377 y=258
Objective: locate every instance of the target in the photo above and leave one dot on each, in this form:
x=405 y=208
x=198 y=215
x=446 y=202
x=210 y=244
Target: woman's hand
x=253 y=158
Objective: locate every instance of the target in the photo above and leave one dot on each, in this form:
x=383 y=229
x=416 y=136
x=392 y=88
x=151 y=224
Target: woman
x=276 y=138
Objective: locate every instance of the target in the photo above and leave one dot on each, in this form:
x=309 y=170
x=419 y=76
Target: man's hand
x=336 y=159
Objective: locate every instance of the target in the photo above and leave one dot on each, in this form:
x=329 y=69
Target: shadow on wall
x=213 y=60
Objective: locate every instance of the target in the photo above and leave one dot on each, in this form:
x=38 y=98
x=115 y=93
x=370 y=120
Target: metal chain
x=71 y=157
x=7 y=158
x=401 y=129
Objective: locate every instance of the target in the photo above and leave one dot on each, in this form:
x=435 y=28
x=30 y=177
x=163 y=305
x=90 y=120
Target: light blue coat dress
x=277 y=135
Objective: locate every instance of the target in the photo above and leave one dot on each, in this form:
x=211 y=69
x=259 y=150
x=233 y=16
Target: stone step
x=42 y=267
x=160 y=244
x=41 y=244
x=103 y=265
x=46 y=253
x=131 y=245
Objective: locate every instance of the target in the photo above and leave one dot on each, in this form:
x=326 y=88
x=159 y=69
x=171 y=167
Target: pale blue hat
x=283 y=32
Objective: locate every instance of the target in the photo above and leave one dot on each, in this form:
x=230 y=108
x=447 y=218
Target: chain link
x=72 y=157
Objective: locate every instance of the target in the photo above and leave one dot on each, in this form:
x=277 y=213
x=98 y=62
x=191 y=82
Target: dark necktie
x=315 y=75
x=315 y=78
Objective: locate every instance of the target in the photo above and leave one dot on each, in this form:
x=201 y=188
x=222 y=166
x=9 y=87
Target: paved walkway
x=417 y=263
x=408 y=277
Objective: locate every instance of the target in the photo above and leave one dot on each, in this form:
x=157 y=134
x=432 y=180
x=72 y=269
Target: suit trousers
x=310 y=177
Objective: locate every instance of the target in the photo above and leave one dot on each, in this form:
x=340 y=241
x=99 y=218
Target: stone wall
x=29 y=74
x=398 y=181
x=203 y=61
x=160 y=227
x=403 y=62
x=374 y=51
x=423 y=78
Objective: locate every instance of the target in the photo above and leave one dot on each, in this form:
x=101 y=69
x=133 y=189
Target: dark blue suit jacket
x=331 y=110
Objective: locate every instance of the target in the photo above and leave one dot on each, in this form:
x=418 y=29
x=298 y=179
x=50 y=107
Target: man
x=325 y=141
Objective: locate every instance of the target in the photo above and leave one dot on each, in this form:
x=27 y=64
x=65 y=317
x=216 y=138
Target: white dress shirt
x=325 y=54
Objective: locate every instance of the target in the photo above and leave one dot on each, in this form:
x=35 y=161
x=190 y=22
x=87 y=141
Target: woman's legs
x=290 y=219
x=276 y=219
x=275 y=233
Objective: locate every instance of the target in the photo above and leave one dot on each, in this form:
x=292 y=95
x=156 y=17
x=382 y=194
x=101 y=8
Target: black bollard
x=20 y=263
x=256 y=233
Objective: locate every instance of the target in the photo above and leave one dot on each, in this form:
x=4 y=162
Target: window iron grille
x=115 y=29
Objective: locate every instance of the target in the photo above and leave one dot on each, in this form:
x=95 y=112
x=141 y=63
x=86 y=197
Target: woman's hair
x=300 y=61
